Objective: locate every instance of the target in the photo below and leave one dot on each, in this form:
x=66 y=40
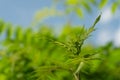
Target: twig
x=77 y=72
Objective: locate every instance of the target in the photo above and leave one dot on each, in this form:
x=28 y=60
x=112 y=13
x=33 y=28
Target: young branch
x=77 y=72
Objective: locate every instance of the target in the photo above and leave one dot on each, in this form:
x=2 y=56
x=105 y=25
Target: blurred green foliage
x=23 y=52
x=28 y=54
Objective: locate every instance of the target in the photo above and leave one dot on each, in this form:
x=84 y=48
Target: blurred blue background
x=22 y=12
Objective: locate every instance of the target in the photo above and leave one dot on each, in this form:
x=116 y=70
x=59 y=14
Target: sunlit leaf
x=103 y=3
x=86 y=6
x=9 y=31
x=79 y=12
x=2 y=26
x=114 y=7
x=72 y=2
x=28 y=36
x=3 y=77
x=19 y=34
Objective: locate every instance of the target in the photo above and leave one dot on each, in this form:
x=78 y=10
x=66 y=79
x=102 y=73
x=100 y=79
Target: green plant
x=74 y=61
x=30 y=55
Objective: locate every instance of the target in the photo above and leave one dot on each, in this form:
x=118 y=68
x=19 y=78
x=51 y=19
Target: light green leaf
x=28 y=36
x=114 y=7
x=79 y=12
x=72 y=2
x=19 y=34
x=92 y=28
x=2 y=25
x=103 y=3
x=86 y=6
x=9 y=31
x=3 y=77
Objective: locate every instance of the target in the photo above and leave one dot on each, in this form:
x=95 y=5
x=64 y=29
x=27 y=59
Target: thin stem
x=75 y=76
x=77 y=72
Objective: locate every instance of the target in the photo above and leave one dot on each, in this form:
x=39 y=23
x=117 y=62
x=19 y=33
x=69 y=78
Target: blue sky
x=21 y=12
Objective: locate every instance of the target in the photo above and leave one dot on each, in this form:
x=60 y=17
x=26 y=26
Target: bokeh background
x=34 y=35
x=23 y=13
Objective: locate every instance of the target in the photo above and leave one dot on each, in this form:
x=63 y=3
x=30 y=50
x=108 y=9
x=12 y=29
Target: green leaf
x=9 y=31
x=74 y=61
x=86 y=6
x=2 y=26
x=92 y=28
x=79 y=12
x=19 y=34
x=3 y=77
x=97 y=20
x=72 y=2
x=28 y=36
x=114 y=7
x=103 y=3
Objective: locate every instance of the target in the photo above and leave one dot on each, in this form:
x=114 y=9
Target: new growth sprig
x=74 y=60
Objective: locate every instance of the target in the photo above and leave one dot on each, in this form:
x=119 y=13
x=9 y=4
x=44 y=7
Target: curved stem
x=77 y=72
